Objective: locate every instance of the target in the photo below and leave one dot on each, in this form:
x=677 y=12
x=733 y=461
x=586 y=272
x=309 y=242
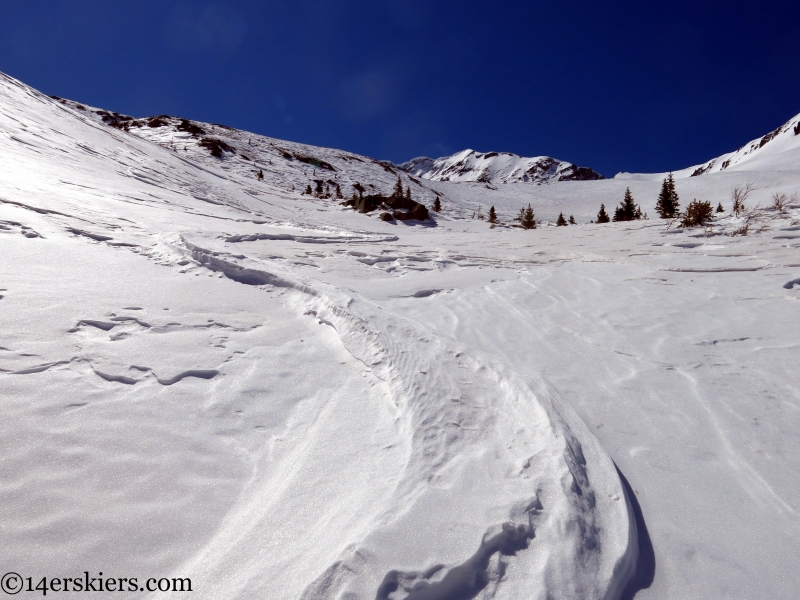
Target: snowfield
x=208 y=375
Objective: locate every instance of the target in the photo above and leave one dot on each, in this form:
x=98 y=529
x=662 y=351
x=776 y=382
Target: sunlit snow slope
x=777 y=150
x=497 y=167
x=208 y=375
x=204 y=376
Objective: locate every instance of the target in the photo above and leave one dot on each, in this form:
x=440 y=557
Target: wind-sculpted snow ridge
x=497 y=167
x=462 y=422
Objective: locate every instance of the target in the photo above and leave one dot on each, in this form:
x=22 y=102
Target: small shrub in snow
x=754 y=221
x=697 y=213
x=779 y=201
x=719 y=208
x=602 y=216
x=739 y=195
x=572 y=220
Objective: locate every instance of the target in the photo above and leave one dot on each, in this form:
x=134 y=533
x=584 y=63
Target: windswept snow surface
x=204 y=375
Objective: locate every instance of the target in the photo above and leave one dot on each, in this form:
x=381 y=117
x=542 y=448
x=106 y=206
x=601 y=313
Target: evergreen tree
x=260 y=175
x=719 y=207
x=308 y=190
x=572 y=220
x=562 y=222
x=437 y=205
x=602 y=216
x=492 y=216
x=667 y=204
x=339 y=192
x=408 y=193
x=398 y=190
x=697 y=213
x=318 y=189
x=627 y=210
x=527 y=218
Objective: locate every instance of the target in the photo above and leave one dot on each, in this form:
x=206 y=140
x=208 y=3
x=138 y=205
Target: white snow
x=776 y=151
x=205 y=375
x=497 y=167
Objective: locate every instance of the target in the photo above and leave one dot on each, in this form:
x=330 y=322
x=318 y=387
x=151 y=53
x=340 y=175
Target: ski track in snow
x=204 y=376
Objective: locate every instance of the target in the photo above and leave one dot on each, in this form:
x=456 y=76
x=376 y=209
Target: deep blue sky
x=621 y=86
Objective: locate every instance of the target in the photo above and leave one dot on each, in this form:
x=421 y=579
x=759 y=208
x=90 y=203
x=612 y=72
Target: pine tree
x=719 y=207
x=398 y=190
x=437 y=205
x=408 y=193
x=318 y=189
x=667 y=204
x=627 y=210
x=527 y=218
x=699 y=212
x=492 y=216
x=308 y=191
x=562 y=222
x=602 y=216
x=339 y=192
x=260 y=175
x=572 y=220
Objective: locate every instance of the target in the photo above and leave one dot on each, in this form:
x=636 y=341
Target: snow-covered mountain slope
x=288 y=166
x=222 y=389
x=205 y=375
x=497 y=167
x=778 y=150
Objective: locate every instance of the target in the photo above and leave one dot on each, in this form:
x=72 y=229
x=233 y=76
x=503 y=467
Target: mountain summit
x=497 y=167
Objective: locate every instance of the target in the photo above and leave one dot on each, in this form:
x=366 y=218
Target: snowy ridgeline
x=497 y=167
x=210 y=375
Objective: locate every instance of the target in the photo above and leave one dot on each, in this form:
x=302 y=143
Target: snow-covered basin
x=165 y=421
x=678 y=350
